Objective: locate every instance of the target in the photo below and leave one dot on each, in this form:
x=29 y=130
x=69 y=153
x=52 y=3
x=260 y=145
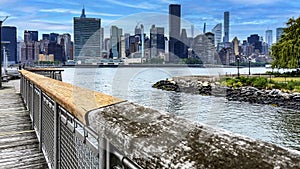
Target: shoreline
x=205 y=85
x=148 y=65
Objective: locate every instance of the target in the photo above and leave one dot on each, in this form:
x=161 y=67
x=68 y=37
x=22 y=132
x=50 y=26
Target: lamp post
x=249 y=59
x=238 y=67
x=1 y=51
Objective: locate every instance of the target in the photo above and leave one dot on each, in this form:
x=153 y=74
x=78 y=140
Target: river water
x=263 y=122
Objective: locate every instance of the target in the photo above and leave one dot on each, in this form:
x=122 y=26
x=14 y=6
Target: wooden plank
x=19 y=147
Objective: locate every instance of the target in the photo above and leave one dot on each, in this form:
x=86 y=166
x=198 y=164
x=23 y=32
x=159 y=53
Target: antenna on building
x=83 y=12
x=204 y=28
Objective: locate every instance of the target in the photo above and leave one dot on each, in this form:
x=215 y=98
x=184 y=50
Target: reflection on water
x=264 y=122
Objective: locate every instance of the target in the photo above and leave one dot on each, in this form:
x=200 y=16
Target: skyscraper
x=53 y=37
x=87 y=32
x=157 y=40
x=226 y=27
x=217 y=30
x=269 y=37
x=31 y=49
x=279 y=32
x=31 y=36
x=174 y=31
x=46 y=37
x=65 y=41
x=115 y=41
x=9 y=35
x=254 y=40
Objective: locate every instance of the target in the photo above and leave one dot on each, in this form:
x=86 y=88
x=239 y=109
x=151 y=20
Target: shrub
x=297 y=88
x=260 y=82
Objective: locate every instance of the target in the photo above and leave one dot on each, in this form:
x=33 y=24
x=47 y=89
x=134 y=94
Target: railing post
x=32 y=105
x=56 y=142
x=40 y=121
x=101 y=152
x=107 y=154
x=21 y=85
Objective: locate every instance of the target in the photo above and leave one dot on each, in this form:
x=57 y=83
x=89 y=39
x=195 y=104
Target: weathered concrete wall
x=159 y=140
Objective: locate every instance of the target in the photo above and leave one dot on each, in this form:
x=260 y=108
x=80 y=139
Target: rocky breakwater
x=210 y=86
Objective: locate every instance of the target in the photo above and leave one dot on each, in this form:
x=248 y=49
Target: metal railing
x=65 y=141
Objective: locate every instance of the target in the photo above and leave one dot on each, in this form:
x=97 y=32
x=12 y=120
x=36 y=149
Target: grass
x=285 y=79
x=282 y=83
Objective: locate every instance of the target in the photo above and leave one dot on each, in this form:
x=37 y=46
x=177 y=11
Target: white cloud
x=76 y=12
x=255 y=2
x=3 y=14
x=143 y=5
x=169 y=1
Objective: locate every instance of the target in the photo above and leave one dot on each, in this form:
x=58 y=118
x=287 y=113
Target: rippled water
x=264 y=122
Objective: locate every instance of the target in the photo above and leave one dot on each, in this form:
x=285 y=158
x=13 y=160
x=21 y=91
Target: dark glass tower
x=157 y=40
x=33 y=35
x=87 y=32
x=53 y=37
x=9 y=39
x=226 y=27
x=174 y=31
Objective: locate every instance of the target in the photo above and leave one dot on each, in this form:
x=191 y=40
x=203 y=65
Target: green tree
x=192 y=61
x=286 y=52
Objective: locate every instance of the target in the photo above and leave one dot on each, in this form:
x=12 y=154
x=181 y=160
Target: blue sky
x=246 y=16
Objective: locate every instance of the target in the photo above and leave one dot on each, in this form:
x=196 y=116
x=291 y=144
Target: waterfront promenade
x=19 y=146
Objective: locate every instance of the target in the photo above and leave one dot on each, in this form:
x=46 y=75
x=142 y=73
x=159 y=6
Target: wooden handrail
x=78 y=101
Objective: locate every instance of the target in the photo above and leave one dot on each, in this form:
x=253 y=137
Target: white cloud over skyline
x=246 y=17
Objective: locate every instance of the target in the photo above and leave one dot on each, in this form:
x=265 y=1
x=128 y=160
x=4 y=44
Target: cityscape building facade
x=157 y=40
x=87 y=34
x=279 y=32
x=217 y=31
x=269 y=37
x=9 y=43
x=174 y=31
x=226 y=27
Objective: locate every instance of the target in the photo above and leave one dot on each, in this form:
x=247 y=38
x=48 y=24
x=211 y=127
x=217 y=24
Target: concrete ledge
x=78 y=101
x=156 y=139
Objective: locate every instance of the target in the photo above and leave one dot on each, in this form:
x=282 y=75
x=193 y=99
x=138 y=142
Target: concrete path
x=18 y=141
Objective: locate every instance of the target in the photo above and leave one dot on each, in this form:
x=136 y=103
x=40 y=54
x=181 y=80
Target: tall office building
x=226 y=27
x=102 y=39
x=30 y=51
x=65 y=41
x=255 y=41
x=87 y=32
x=192 y=31
x=269 y=37
x=31 y=36
x=157 y=40
x=279 y=32
x=115 y=42
x=217 y=31
x=53 y=37
x=46 y=37
x=174 y=31
x=184 y=44
x=9 y=39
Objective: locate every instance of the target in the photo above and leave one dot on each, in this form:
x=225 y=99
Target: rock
x=245 y=94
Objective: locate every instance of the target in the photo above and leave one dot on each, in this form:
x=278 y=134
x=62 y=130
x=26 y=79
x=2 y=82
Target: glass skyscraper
x=174 y=31
x=9 y=40
x=217 y=30
x=279 y=32
x=269 y=37
x=226 y=27
x=87 y=32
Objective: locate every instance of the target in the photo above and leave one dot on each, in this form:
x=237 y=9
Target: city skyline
x=246 y=18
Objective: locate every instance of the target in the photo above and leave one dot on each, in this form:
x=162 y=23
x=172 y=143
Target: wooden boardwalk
x=19 y=147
